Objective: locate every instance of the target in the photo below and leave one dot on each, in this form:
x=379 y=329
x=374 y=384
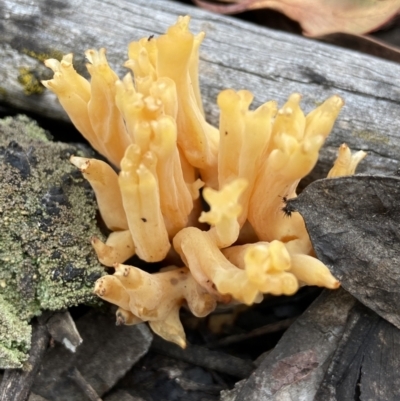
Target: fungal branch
x=151 y=127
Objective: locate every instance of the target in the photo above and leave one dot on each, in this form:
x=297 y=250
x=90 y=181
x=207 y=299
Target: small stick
x=81 y=382
x=201 y=356
x=267 y=329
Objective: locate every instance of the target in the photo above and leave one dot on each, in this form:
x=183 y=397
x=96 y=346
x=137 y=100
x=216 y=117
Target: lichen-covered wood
x=47 y=215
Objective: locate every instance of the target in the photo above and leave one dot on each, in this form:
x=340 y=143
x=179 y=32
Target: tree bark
x=234 y=54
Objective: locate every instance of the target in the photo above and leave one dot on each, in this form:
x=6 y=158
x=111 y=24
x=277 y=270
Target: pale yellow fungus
x=292 y=153
x=118 y=248
x=311 y=271
x=244 y=136
x=224 y=213
x=104 y=181
x=155 y=298
x=266 y=266
x=141 y=200
x=346 y=163
x=152 y=129
x=105 y=118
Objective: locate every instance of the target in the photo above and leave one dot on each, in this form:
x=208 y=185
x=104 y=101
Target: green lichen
x=370 y=136
x=42 y=56
x=30 y=81
x=30 y=77
x=47 y=216
x=3 y=92
x=15 y=337
x=31 y=129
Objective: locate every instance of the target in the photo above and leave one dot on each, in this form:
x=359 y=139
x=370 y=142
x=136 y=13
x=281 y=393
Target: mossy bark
x=47 y=216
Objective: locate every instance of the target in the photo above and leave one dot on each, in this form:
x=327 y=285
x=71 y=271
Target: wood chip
x=106 y=354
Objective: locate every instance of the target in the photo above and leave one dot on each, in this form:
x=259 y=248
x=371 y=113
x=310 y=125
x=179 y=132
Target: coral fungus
x=153 y=131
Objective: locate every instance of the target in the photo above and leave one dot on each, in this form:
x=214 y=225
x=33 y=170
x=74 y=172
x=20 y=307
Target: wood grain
x=235 y=54
x=365 y=362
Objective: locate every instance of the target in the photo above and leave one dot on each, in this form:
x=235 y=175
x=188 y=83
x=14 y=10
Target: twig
x=267 y=329
x=201 y=356
x=190 y=385
x=81 y=382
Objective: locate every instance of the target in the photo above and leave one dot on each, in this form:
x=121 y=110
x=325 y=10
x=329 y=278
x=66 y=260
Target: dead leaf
x=365 y=44
x=354 y=226
x=319 y=17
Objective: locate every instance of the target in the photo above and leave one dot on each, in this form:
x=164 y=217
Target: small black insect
x=287 y=209
x=150 y=37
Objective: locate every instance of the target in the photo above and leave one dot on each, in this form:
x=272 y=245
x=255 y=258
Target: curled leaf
x=319 y=17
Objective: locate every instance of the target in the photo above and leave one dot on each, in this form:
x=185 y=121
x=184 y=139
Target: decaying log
x=53 y=227
x=294 y=369
x=234 y=54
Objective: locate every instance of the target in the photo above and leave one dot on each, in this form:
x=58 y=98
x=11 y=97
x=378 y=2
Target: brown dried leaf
x=319 y=17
